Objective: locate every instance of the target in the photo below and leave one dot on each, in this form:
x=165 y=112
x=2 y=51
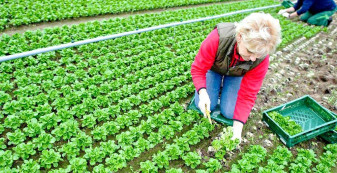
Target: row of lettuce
x=17 y=12
x=282 y=160
x=107 y=103
x=255 y=159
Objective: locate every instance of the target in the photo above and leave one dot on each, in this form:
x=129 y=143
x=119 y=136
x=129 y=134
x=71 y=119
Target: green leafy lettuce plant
x=328 y=159
x=13 y=122
x=192 y=159
x=287 y=124
x=33 y=128
x=174 y=170
x=49 y=158
x=305 y=158
x=94 y=155
x=225 y=143
x=250 y=160
x=116 y=161
x=173 y=151
x=30 y=166
x=70 y=150
x=161 y=159
x=44 y=141
x=24 y=150
x=278 y=161
x=16 y=137
x=7 y=158
x=66 y=130
x=101 y=169
x=148 y=167
x=213 y=165
x=2 y=143
x=78 y=165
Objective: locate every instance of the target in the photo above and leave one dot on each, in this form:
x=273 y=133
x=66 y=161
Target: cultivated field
x=120 y=105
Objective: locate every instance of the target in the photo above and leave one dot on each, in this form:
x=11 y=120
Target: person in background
x=314 y=12
x=236 y=56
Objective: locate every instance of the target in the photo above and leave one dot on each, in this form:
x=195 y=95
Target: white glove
x=286 y=15
x=237 y=130
x=204 y=99
x=282 y=11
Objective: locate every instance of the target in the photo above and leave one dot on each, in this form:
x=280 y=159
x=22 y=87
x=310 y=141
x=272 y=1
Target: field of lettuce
x=18 y=12
x=120 y=105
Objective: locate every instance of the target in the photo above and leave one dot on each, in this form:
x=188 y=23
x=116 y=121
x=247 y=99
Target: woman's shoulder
x=225 y=25
x=226 y=30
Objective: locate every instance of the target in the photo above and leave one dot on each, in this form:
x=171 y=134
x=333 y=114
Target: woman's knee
x=305 y=16
x=227 y=112
x=213 y=106
x=317 y=22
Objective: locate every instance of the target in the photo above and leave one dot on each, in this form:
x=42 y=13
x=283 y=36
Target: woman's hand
x=237 y=130
x=286 y=15
x=204 y=100
x=292 y=15
x=288 y=10
x=282 y=11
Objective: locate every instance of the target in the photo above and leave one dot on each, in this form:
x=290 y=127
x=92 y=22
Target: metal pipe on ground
x=78 y=43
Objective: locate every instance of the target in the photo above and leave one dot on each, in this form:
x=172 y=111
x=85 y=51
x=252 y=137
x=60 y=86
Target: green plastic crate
x=305 y=111
x=330 y=136
x=215 y=114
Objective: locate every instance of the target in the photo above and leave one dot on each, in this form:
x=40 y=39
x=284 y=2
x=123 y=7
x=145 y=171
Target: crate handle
x=283 y=107
x=309 y=134
x=266 y=123
x=282 y=140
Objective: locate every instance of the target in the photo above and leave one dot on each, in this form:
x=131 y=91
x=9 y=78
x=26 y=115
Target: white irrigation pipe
x=67 y=45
